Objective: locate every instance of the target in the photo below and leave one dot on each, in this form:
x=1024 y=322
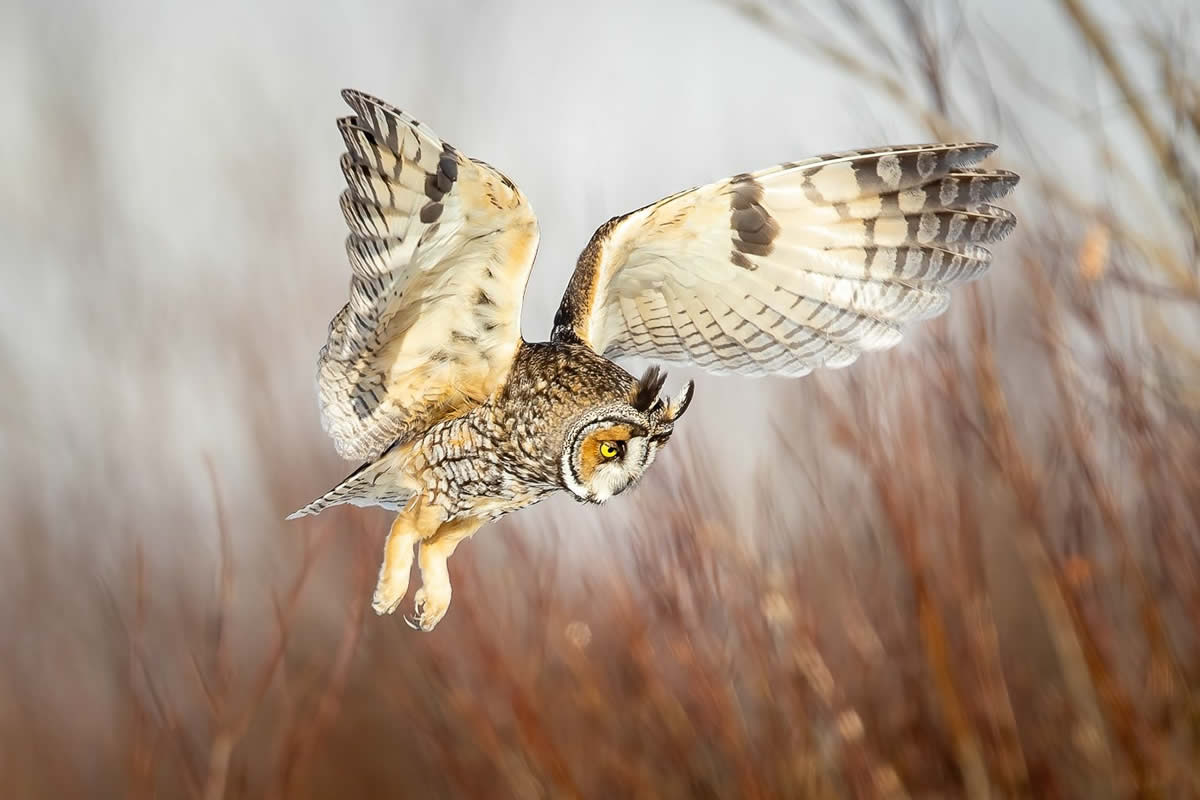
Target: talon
x=430 y=606
x=410 y=623
x=387 y=597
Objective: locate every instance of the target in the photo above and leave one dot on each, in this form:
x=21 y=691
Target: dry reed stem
x=539 y=745
x=140 y=666
x=902 y=516
x=1164 y=675
x=870 y=776
x=1158 y=142
x=298 y=758
x=691 y=685
x=1183 y=95
x=1165 y=668
x=1087 y=676
x=230 y=725
x=977 y=611
x=484 y=734
x=884 y=81
x=1185 y=281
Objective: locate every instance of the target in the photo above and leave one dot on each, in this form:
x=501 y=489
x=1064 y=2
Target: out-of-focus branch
x=231 y=725
x=1182 y=93
x=841 y=56
x=539 y=744
x=1089 y=677
x=1164 y=674
x=870 y=775
x=1159 y=143
x=971 y=579
x=932 y=69
x=1182 y=275
x=140 y=667
x=903 y=513
x=222 y=656
x=1161 y=256
x=864 y=23
x=310 y=730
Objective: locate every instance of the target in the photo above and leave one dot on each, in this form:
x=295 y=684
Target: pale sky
x=168 y=195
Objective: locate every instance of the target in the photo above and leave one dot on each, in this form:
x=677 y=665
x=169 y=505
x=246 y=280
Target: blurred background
x=966 y=567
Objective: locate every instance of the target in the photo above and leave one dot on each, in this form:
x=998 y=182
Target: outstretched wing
x=440 y=248
x=798 y=266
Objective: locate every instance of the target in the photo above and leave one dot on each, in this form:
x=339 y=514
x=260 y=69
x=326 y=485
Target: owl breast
x=504 y=455
x=468 y=467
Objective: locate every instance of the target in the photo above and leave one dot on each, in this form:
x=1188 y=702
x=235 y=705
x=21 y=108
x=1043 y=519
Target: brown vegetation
x=985 y=582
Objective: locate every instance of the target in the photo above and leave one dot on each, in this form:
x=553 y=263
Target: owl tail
x=362 y=488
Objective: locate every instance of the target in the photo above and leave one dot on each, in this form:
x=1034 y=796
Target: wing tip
x=353 y=97
x=970 y=153
x=360 y=102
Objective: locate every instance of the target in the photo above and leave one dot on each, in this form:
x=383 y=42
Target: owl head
x=608 y=448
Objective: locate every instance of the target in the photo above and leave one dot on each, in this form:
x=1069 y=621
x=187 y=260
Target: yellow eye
x=609 y=450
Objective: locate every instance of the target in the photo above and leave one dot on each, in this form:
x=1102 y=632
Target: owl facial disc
x=607 y=450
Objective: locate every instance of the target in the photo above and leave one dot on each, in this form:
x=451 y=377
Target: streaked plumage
x=425 y=375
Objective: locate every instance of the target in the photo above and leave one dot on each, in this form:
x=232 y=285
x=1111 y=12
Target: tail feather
x=362 y=487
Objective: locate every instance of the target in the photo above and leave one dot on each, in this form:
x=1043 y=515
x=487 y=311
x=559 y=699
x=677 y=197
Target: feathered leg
x=433 y=598
x=410 y=526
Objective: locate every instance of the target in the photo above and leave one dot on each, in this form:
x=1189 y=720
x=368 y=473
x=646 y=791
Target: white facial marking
x=577 y=488
x=615 y=476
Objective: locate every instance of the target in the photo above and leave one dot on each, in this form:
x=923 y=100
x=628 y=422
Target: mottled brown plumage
x=425 y=375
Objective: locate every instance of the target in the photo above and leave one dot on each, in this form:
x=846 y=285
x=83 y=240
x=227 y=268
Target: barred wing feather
x=440 y=248
x=798 y=266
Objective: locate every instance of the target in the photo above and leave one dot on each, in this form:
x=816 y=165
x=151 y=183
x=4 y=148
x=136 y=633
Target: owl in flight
x=426 y=378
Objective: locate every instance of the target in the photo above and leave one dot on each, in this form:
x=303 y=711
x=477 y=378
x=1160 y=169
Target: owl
x=458 y=420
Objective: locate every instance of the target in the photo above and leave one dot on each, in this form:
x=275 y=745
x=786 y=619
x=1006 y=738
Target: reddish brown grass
x=979 y=576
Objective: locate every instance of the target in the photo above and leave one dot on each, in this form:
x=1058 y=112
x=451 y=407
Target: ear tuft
x=679 y=403
x=646 y=389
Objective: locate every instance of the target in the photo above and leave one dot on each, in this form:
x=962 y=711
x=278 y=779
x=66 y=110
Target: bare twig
x=1159 y=143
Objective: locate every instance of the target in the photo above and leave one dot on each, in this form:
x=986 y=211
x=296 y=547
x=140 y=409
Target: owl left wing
x=794 y=267
x=440 y=247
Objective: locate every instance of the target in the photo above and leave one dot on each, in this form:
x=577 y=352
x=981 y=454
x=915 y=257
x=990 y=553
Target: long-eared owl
x=425 y=376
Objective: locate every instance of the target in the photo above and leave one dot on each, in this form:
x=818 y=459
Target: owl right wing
x=798 y=266
x=440 y=248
